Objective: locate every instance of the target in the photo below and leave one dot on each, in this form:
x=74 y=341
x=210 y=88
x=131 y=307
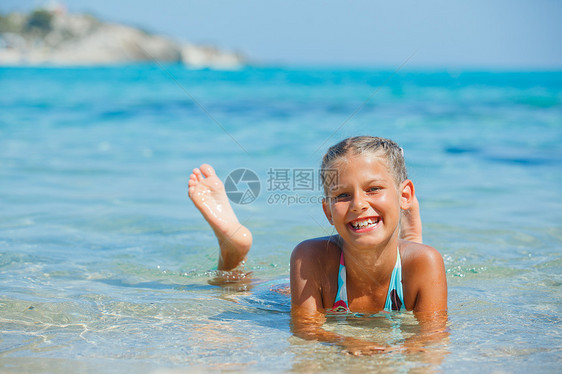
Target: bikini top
x=394 y=297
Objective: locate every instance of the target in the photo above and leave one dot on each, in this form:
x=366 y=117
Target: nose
x=359 y=203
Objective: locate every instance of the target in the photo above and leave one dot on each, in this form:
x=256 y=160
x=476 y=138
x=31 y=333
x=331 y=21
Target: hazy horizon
x=504 y=35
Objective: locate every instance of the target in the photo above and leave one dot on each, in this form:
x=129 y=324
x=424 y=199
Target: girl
x=370 y=266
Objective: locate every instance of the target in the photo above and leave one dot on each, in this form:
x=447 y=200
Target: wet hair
x=358 y=145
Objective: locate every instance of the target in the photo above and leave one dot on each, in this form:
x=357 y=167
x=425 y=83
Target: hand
x=358 y=347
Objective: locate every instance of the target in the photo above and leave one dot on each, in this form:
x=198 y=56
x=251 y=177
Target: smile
x=364 y=224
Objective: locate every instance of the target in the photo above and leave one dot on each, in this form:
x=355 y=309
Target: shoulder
x=424 y=275
x=417 y=254
x=315 y=258
x=313 y=264
x=312 y=248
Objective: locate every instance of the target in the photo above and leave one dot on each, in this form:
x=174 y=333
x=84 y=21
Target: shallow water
x=105 y=264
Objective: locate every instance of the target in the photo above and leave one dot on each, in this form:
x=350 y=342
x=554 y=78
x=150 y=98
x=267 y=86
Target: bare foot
x=411 y=224
x=207 y=192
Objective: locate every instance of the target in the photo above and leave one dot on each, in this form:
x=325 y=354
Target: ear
x=407 y=194
x=327 y=210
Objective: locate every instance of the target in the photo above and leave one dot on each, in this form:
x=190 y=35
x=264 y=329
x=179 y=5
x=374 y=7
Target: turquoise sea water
x=105 y=263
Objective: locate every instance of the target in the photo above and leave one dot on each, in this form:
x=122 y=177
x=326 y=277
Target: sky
x=452 y=34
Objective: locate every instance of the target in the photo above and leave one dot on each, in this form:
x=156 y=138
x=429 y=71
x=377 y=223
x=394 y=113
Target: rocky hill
x=57 y=38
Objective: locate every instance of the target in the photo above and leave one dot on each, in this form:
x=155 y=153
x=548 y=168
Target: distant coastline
x=57 y=38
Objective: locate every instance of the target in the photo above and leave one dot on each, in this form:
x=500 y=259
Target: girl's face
x=364 y=204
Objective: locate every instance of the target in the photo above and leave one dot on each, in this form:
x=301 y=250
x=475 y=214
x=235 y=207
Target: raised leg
x=207 y=192
x=411 y=224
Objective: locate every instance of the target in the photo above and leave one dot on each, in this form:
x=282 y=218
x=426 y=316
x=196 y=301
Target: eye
x=340 y=196
x=374 y=189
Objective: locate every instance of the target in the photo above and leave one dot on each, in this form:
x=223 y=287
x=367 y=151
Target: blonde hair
x=358 y=145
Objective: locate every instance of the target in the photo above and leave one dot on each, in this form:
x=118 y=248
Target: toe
x=207 y=170
x=198 y=175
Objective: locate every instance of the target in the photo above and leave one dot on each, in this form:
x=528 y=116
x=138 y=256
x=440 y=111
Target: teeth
x=364 y=223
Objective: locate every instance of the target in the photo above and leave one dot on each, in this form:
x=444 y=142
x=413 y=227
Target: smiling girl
x=375 y=263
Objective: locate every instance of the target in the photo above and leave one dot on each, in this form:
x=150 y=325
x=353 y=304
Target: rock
x=207 y=56
x=55 y=38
